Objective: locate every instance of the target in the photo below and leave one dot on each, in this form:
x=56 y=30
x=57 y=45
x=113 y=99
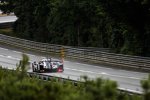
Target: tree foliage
x=146 y=86
x=16 y=85
x=123 y=25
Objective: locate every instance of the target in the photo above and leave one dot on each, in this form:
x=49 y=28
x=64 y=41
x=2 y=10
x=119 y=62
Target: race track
x=129 y=80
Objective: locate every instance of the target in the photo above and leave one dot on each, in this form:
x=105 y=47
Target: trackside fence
x=84 y=54
x=6 y=25
x=74 y=82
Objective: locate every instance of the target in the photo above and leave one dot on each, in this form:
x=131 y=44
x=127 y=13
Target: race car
x=48 y=65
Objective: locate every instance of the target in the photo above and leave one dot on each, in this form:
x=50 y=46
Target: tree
x=146 y=87
x=134 y=14
x=6 y=6
x=120 y=25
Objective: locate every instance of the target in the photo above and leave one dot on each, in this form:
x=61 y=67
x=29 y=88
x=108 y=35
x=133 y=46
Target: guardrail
x=74 y=82
x=6 y=25
x=89 y=55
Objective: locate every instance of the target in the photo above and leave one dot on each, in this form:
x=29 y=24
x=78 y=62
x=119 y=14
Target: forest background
x=122 y=25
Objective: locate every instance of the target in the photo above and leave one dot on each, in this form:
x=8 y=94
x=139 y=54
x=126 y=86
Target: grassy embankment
x=6 y=31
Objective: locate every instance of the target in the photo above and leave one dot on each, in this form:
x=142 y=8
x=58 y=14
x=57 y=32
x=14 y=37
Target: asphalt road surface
x=129 y=80
x=5 y=19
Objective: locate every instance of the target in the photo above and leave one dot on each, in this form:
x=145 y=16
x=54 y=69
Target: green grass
x=7 y=31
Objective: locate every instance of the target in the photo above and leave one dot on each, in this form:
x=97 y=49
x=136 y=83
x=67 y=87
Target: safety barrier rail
x=85 y=54
x=74 y=82
x=6 y=25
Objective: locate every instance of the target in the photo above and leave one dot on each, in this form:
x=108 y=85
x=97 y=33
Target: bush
x=16 y=85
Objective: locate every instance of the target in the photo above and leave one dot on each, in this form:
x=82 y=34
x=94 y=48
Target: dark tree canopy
x=123 y=25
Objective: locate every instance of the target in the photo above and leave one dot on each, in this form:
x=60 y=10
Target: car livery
x=48 y=65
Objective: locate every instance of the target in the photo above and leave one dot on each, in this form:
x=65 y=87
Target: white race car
x=48 y=65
